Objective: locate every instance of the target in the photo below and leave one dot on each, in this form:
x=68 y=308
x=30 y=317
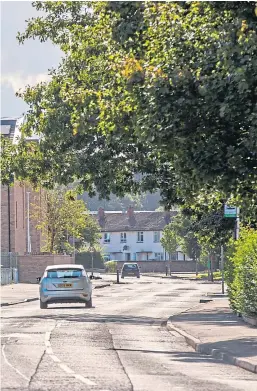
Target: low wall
x=32 y=266
x=160 y=266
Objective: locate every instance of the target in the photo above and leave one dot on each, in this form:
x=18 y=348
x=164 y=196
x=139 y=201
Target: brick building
x=14 y=206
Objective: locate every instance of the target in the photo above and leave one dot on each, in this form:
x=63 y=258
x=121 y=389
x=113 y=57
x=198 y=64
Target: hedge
x=241 y=273
x=111 y=266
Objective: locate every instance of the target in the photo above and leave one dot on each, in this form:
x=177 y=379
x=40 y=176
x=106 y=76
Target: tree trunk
x=196 y=266
x=211 y=271
x=51 y=248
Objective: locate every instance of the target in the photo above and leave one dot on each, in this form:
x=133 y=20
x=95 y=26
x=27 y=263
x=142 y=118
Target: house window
x=107 y=237
x=156 y=236
x=123 y=237
x=158 y=256
x=140 y=237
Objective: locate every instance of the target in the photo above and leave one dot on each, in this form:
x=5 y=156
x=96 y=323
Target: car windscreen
x=130 y=267
x=65 y=273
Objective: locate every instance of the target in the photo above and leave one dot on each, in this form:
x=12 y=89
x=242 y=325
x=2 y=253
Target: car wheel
x=43 y=305
x=138 y=276
x=89 y=303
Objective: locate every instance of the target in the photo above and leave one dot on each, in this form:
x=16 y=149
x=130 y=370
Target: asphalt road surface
x=121 y=344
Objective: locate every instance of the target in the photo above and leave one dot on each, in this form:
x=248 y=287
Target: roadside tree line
x=149 y=96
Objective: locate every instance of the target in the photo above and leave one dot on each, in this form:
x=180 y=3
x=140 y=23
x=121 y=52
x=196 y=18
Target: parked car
x=65 y=284
x=130 y=269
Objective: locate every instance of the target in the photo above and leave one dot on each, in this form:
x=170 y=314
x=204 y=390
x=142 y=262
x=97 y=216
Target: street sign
x=230 y=211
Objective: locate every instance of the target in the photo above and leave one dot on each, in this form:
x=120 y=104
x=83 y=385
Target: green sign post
x=230 y=211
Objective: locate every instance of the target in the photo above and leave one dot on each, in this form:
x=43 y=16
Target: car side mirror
x=38 y=279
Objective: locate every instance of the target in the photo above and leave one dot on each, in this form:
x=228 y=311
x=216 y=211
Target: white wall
x=115 y=247
x=148 y=245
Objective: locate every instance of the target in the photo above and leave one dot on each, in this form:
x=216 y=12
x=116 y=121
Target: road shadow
x=88 y=317
x=240 y=347
x=175 y=355
x=221 y=317
x=79 y=307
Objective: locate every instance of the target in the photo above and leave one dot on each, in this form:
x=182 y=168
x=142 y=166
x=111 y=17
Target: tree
x=61 y=216
x=7 y=157
x=90 y=235
x=164 y=89
x=180 y=233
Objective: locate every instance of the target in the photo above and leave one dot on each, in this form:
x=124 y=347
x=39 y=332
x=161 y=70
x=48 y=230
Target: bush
x=111 y=266
x=241 y=273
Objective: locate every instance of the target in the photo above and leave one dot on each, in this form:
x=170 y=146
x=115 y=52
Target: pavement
x=121 y=344
x=212 y=328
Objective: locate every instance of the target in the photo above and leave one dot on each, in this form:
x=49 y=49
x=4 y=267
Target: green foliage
x=216 y=276
x=164 y=89
x=90 y=235
x=180 y=232
x=7 y=157
x=241 y=274
x=111 y=266
x=60 y=216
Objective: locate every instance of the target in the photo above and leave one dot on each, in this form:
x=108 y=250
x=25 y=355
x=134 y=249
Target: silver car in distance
x=65 y=284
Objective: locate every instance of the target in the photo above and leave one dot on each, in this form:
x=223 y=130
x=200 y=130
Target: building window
x=140 y=237
x=123 y=237
x=156 y=236
x=107 y=237
x=158 y=256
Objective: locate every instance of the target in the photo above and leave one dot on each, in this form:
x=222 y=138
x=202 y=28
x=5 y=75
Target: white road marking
x=54 y=358
x=84 y=380
x=62 y=365
x=47 y=336
x=49 y=350
x=10 y=365
x=65 y=368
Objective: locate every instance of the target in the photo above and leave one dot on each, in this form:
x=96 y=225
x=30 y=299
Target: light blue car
x=65 y=284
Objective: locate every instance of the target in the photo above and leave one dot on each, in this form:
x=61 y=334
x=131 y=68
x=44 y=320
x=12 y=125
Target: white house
x=134 y=235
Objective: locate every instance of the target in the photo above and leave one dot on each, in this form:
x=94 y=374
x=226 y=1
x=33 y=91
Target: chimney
x=131 y=216
x=101 y=216
x=130 y=212
x=167 y=217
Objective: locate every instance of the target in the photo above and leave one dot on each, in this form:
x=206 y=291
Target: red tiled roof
x=140 y=221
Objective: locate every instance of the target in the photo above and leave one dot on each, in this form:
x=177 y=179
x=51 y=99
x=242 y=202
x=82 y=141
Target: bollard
x=166 y=270
x=118 y=277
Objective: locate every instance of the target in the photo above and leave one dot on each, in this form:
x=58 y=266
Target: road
x=121 y=344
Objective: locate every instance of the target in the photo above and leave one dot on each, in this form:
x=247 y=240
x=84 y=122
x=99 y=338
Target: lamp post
x=222 y=269
x=28 y=225
x=92 y=250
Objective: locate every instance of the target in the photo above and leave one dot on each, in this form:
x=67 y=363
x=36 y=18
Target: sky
x=21 y=64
